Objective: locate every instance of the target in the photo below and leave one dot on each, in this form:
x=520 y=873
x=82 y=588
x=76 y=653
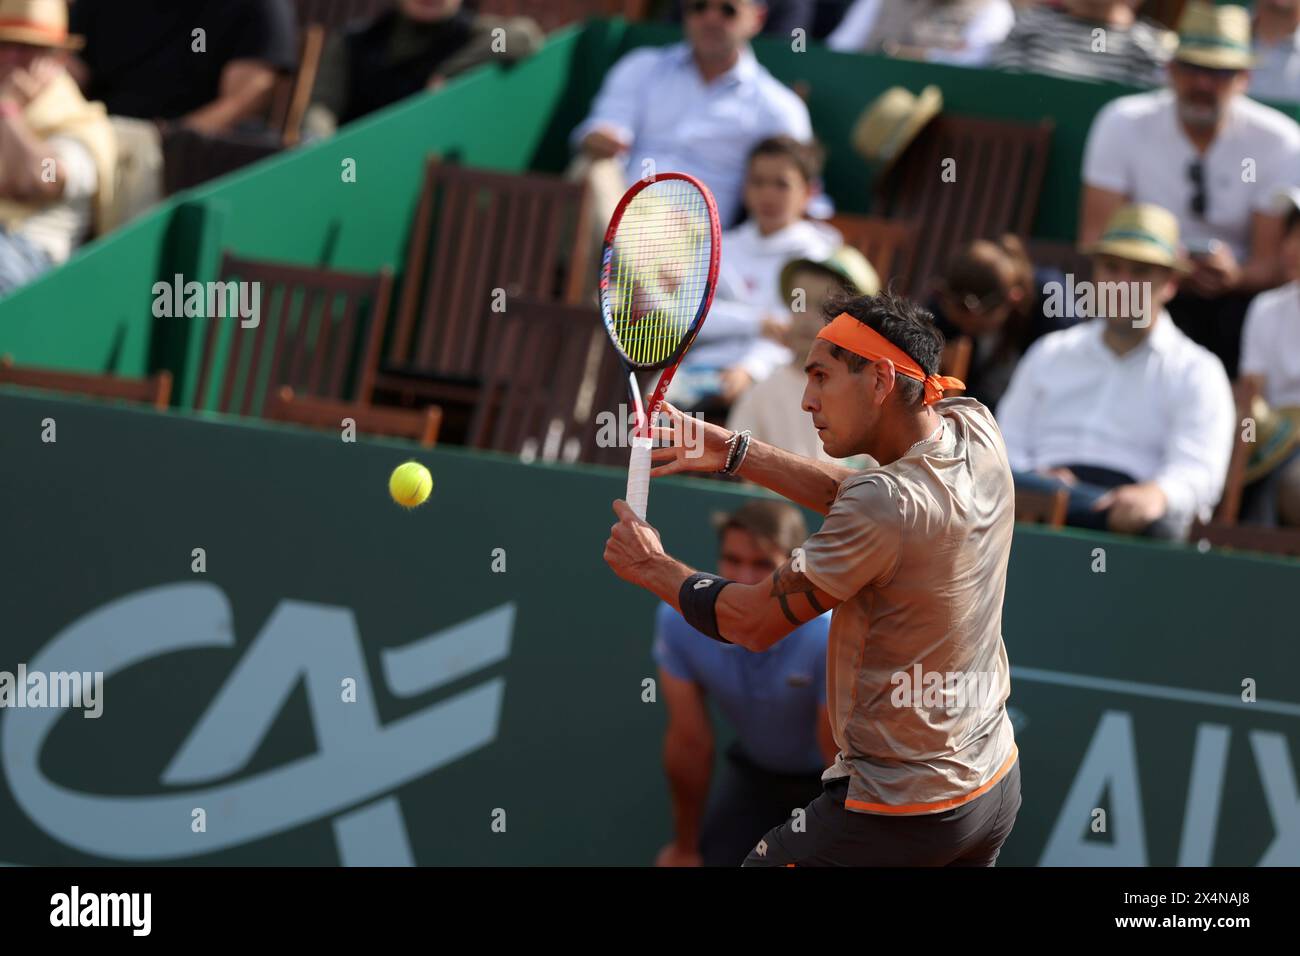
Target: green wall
x=1126 y=687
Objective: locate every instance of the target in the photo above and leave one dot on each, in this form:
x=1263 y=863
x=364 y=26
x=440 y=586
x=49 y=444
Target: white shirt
x=986 y=29
x=62 y=225
x=1162 y=412
x=1136 y=147
x=749 y=290
x=655 y=99
x=1270 y=344
x=1276 y=74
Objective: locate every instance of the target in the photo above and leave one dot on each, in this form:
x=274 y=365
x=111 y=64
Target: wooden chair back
x=155 y=390
x=318 y=331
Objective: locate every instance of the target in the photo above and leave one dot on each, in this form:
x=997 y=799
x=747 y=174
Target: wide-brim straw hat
x=893 y=120
x=1142 y=232
x=1215 y=36
x=41 y=23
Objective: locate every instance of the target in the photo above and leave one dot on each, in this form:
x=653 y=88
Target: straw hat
x=887 y=127
x=38 y=23
x=845 y=263
x=1277 y=433
x=1215 y=36
x=1142 y=233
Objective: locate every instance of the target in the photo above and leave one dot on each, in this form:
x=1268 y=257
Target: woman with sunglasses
x=992 y=294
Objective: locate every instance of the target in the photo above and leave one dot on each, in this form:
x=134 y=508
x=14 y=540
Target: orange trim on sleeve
x=942 y=804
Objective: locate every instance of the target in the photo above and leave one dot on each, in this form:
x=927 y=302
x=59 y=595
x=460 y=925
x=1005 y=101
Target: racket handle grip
x=638 y=475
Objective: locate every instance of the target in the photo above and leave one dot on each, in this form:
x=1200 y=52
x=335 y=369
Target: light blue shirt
x=1276 y=75
x=655 y=98
x=773 y=698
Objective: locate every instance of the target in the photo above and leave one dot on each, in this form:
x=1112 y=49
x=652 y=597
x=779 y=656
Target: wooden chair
x=550 y=375
x=1227 y=511
x=155 y=390
x=1244 y=537
x=480 y=240
x=999 y=175
x=955 y=360
x=887 y=244
x=292 y=93
x=1042 y=507
x=283 y=405
x=318 y=331
x=553 y=14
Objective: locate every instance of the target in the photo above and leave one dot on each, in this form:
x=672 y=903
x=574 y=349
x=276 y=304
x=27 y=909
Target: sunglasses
x=726 y=8
x=970 y=301
x=1200 y=201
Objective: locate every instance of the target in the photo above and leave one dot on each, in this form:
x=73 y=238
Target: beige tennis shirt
x=916 y=671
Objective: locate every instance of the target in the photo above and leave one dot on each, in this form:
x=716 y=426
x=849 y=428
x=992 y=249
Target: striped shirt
x=1058 y=44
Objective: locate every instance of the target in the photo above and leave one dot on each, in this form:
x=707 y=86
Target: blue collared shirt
x=772 y=698
x=655 y=98
x=1276 y=75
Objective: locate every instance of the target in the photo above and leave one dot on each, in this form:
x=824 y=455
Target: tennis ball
x=410 y=484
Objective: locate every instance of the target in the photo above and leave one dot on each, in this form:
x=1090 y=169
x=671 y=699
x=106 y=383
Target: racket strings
x=659 y=269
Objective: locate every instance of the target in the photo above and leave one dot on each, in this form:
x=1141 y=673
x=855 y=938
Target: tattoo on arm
x=786 y=582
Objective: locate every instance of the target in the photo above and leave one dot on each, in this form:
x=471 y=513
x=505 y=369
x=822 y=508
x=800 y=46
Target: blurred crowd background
x=1160 y=413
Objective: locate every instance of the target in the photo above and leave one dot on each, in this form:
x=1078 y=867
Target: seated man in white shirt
x=958 y=32
x=697 y=107
x=735 y=347
x=1270 y=355
x=1124 y=411
x=1212 y=156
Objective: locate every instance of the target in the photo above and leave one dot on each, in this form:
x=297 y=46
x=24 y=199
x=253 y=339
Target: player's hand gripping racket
x=658 y=271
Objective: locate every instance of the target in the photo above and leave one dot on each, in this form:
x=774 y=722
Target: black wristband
x=698 y=598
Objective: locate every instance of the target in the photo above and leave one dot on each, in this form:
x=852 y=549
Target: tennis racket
x=658 y=272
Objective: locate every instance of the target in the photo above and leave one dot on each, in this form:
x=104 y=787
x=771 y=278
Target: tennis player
x=912 y=557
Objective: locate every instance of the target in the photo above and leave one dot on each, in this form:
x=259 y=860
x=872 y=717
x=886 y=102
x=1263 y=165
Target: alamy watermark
x=945 y=690
x=179 y=299
x=1085 y=300
x=614 y=430
x=63 y=689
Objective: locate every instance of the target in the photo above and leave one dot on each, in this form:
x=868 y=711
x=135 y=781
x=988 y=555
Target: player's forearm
x=688 y=767
x=804 y=481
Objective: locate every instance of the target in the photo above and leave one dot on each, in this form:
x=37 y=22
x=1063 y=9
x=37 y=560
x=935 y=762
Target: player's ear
x=885 y=380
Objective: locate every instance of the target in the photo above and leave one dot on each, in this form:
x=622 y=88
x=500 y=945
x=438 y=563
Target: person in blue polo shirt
x=775 y=701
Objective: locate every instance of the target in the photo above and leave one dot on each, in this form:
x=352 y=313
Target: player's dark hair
x=775 y=521
x=806 y=157
x=905 y=324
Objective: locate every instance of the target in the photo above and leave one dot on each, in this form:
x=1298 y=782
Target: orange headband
x=860 y=339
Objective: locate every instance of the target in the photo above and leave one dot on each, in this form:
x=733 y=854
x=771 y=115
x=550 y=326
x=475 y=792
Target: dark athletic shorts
x=830 y=835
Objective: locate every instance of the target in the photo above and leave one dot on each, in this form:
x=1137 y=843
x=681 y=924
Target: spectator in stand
x=959 y=32
x=46 y=126
x=775 y=700
x=1102 y=40
x=697 y=107
x=1212 y=156
x=783 y=16
x=992 y=293
x=417 y=45
x=737 y=346
x=1277 y=51
x=1270 y=357
x=1124 y=411
x=773 y=409
x=207 y=65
